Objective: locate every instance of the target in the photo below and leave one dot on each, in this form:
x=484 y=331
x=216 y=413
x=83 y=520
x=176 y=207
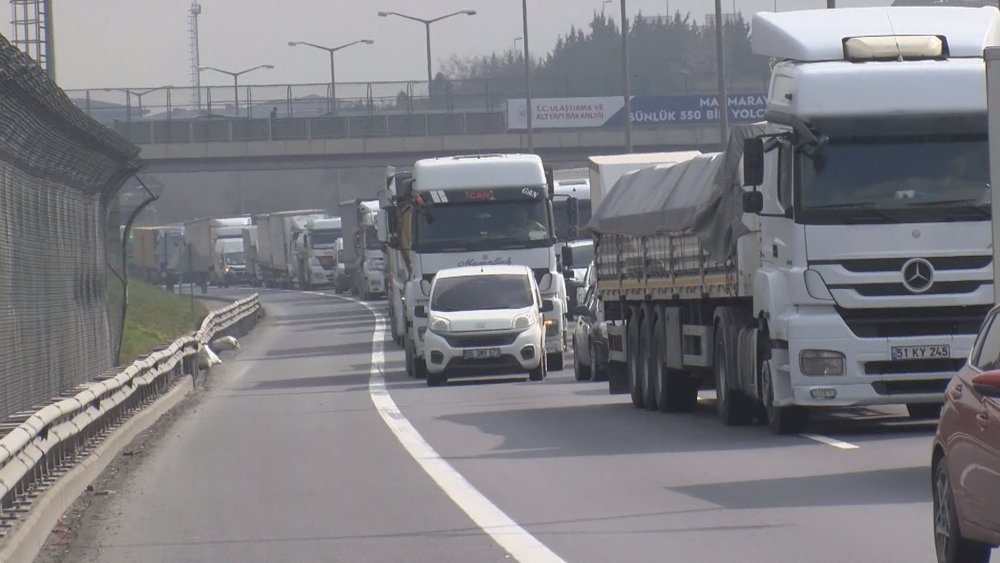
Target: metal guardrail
x=47 y=443
x=223 y=129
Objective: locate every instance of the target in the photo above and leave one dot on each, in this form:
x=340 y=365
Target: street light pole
x=427 y=27
x=530 y=110
x=139 y=94
x=721 y=58
x=236 y=82
x=626 y=80
x=830 y=4
x=333 y=66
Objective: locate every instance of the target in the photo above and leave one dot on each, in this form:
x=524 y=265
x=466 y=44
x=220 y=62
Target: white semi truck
x=215 y=247
x=315 y=241
x=476 y=210
x=362 y=254
x=856 y=267
x=397 y=266
x=276 y=245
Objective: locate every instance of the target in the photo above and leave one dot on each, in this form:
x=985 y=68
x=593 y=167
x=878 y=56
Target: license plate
x=920 y=352
x=481 y=354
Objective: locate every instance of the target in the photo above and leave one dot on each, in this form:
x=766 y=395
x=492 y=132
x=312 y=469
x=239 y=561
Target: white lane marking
x=517 y=541
x=830 y=441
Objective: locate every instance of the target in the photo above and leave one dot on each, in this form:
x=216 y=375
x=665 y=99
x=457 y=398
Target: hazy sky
x=141 y=43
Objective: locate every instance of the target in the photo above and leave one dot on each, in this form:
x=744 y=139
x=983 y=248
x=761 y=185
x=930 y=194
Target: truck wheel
x=781 y=420
x=420 y=368
x=597 y=373
x=555 y=361
x=580 y=371
x=633 y=364
x=651 y=384
x=733 y=407
x=675 y=392
x=923 y=411
x=408 y=350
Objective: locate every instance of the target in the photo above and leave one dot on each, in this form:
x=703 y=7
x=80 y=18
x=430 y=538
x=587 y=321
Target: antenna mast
x=193 y=14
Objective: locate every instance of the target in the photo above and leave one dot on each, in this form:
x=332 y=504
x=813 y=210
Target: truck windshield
x=478 y=293
x=235 y=259
x=490 y=225
x=325 y=238
x=560 y=214
x=371 y=239
x=929 y=178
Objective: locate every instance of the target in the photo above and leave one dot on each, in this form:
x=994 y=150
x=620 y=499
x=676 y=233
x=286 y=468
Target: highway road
x=295 y=452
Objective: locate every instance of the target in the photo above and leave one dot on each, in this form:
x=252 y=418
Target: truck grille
x=481 y=340
x=891 y=289
x=871 y=265
x=901 y=322
x=910 y=387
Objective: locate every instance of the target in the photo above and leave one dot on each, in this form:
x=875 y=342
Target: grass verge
x=155 y=317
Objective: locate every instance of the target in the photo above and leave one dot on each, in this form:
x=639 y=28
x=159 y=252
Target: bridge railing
x=222 y=129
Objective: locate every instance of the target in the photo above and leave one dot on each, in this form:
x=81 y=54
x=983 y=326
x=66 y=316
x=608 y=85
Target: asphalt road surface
x=294 y=453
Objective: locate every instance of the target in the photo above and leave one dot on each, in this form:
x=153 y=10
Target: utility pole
x=830 y=4
x=721 y=56
x=626 y=80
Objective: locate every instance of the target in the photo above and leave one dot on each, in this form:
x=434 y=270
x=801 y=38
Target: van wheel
x=733 y=407
x=540 y=372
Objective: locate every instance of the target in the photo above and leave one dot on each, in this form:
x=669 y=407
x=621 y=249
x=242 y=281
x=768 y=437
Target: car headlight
x=821 y=362
x=524 y=321
x=226 y=270
x=440 y=325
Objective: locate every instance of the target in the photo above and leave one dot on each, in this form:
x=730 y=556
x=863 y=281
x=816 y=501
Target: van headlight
x=440 y=325
x=524 y=321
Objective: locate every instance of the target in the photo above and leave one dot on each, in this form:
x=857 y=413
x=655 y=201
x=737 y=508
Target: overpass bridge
x=241 y=144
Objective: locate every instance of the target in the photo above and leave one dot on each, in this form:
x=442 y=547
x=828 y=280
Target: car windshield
x=899 y=178
x=479 y=293
x=490 y=225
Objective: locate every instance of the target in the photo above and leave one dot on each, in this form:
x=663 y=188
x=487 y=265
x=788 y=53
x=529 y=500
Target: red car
x=966 y=460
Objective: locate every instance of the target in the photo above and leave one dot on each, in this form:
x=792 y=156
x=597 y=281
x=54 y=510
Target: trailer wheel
x=650 y=381
x=597 y=372
x=781 y=420
x=634 y=363
x=733 y=407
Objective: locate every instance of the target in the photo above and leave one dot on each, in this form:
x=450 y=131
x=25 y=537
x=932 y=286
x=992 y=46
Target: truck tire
x=634 y=364
x=555 y=361
x=733 y=407
x=676 y=392
x=781 y=420
x=408 y=351
x=580 y=371
x=650 y=387
x=420 y=368
x=597 y=372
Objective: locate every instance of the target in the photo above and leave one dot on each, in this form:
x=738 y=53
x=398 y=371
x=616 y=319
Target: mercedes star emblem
x=918 y=275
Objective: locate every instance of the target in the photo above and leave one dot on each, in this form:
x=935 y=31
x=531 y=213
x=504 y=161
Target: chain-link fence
x=61 y=295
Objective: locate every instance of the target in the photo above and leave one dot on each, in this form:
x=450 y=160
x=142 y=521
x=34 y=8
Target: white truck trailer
x=397 y=266
x=363 y=258
x=477 y=210
x=856 y=267
x=316 y=250
x=215 y=244
x=276 y=245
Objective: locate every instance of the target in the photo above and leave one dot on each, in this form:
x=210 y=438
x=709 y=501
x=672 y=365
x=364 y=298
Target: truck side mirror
x=567 y=257
x=753 y=202
x=573 y=217
x=547 y=306
x=753 y=162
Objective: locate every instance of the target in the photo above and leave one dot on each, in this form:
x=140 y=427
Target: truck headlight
x=440 y=325
x=524 y=321
x=821 y=362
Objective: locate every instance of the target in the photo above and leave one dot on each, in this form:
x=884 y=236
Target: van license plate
x=920 y=352
x=481 y=354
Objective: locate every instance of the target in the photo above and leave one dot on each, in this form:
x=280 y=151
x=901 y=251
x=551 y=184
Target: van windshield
x=478 y=293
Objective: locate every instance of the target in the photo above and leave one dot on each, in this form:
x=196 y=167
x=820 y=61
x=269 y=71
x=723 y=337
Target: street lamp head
x=292 y=43
x=267 y=66
x=368 y=41
x=469 y=12
x=383 y=14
